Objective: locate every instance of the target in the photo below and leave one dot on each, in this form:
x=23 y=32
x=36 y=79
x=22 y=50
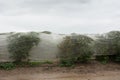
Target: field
x=91 y=71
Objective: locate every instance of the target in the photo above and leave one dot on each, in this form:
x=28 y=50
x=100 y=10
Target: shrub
x=67 y=62
x=32 y=64
x=114 y=41
x=20 y=44
x=101 y=45
x=103 y=59
x=47 y=32
x=7 y=66
x=109 y=44
x=35 y=64
x=75 y=48
x=117 y=58
x=47 y=62
x=28 y=64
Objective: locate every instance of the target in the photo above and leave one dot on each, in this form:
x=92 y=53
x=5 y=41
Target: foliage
x=101 y=45
x=20 y=44
x=35 y=64
x=7 y=66
x=67 y=62
x=32 y=64
x=10 y=65
x=28 y=64
x=47 y=62
x=117 y=58
x=75 y=48
x=109 y=44
x=103 y=59
x=47 y=32
x=114 y=42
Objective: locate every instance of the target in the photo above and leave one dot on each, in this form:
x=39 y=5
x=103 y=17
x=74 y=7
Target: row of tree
x=73 y=49
x=80 y=48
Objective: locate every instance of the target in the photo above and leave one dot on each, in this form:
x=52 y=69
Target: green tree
x=109 y=44
x=76 y=48
x=20 y=44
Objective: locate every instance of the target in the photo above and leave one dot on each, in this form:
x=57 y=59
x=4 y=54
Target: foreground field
x=91 y=71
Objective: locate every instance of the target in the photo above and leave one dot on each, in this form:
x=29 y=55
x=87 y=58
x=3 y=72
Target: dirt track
x=80 y=72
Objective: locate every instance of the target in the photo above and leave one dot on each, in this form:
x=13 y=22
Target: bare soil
x=91 y=71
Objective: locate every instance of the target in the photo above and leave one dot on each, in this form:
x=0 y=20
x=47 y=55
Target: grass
x=7 y=65
x=12 y=65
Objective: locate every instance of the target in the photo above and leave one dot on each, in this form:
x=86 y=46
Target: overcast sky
x=60 y=16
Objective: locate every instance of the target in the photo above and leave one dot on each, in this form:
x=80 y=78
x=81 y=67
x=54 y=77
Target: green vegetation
x=109 y=44
x=7 y=66
x=20 y=44
x=32 y=64
x=12 y=65
x=47 y=62
x=47 y=32
x=75 y=49
x=27 y=64
x=103 y=59
x=67 y=62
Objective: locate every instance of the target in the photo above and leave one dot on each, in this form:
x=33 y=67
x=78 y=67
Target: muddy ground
x=91 y=71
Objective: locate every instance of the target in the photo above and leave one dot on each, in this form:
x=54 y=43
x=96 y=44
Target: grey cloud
x=42 y=6
x=60 y=15
x=54 y=5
